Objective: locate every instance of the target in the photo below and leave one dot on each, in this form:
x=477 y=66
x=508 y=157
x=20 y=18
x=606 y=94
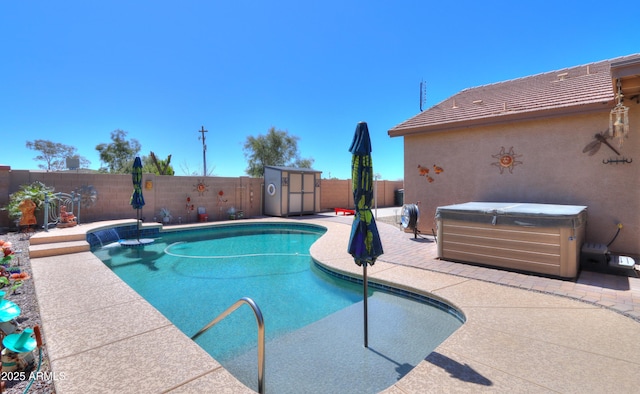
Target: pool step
x=58 y=248
x=51 y=238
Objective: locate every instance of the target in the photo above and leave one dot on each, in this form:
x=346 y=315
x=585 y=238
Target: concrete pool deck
x=523 y=333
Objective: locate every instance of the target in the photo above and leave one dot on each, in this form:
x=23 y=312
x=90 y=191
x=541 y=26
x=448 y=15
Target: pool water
x=192 y=277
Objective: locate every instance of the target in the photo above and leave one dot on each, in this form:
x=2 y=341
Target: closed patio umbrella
x=137 y=199
x=364 y=243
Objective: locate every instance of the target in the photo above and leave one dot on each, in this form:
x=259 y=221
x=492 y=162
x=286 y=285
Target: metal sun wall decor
x=200 y=187
x=424 y=171
x=506 y=160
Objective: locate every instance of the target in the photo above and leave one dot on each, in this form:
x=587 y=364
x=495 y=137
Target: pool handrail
x=259 y=320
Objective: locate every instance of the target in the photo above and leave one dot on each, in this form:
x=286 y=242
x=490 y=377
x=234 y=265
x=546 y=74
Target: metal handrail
x=259 y=320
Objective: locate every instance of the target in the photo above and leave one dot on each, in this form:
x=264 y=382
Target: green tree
x=277 y=148
x=303 y=163
x=153 y=165
x=118 y=156
x=54 y=155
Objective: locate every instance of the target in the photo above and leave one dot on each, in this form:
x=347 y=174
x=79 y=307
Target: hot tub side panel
x=551 y=251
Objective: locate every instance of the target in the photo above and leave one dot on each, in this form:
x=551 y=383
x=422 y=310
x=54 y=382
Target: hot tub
x=540 y=238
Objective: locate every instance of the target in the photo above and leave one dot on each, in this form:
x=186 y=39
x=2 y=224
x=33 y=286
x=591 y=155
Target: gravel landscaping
x=25 y=297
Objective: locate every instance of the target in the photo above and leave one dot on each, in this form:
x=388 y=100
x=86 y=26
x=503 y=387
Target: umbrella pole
x=138 y=224
x=366 y=323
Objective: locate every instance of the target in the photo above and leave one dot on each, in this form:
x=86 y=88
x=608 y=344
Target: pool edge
x=204 y=377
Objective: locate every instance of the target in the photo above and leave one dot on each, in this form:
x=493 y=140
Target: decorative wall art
x=88 y=195
x=221 y=203
x=506 y=160
x=190 y=207
x=424 y=171
x=221 y=199
x=600 y=138
x=200 y=187
x=622 y=160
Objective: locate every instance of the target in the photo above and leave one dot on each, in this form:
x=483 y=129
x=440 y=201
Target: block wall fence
x=216 y=194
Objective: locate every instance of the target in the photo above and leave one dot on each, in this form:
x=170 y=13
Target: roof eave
x=593 y=107
x=627 y=72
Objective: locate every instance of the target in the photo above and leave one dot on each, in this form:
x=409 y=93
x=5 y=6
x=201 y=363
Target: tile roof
x=569 y=90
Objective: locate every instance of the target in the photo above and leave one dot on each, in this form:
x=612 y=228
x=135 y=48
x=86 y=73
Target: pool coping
x=96 y=328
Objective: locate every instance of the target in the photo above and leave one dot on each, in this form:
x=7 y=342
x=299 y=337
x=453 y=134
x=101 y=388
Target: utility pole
x=204 y=150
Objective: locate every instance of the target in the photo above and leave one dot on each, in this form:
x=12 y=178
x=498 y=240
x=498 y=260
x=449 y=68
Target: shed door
x=308 y=193
x=295 y=193
x=301 y=193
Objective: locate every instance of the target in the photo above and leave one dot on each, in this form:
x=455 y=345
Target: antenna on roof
x=423 y=94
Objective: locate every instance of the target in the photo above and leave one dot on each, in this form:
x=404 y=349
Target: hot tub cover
x=518 y=214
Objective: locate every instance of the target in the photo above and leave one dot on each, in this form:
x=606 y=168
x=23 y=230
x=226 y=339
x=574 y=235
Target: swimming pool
x=191 y=277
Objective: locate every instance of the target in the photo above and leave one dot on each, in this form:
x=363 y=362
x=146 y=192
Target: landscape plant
x=35 y=191
x=7 y=271
x=165 y=214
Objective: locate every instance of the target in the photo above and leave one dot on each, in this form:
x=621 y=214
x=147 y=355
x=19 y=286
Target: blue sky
x=74 y=71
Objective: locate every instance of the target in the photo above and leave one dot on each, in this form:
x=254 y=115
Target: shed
x=291 y=191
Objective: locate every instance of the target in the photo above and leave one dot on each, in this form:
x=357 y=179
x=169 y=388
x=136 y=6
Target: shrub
x=36 y=192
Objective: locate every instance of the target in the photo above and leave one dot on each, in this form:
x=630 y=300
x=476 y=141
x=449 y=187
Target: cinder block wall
x=336 y=193
x=217 y=197
x=5 y=184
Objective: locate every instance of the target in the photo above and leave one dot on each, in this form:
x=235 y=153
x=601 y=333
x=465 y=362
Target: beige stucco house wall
x=545 y=121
